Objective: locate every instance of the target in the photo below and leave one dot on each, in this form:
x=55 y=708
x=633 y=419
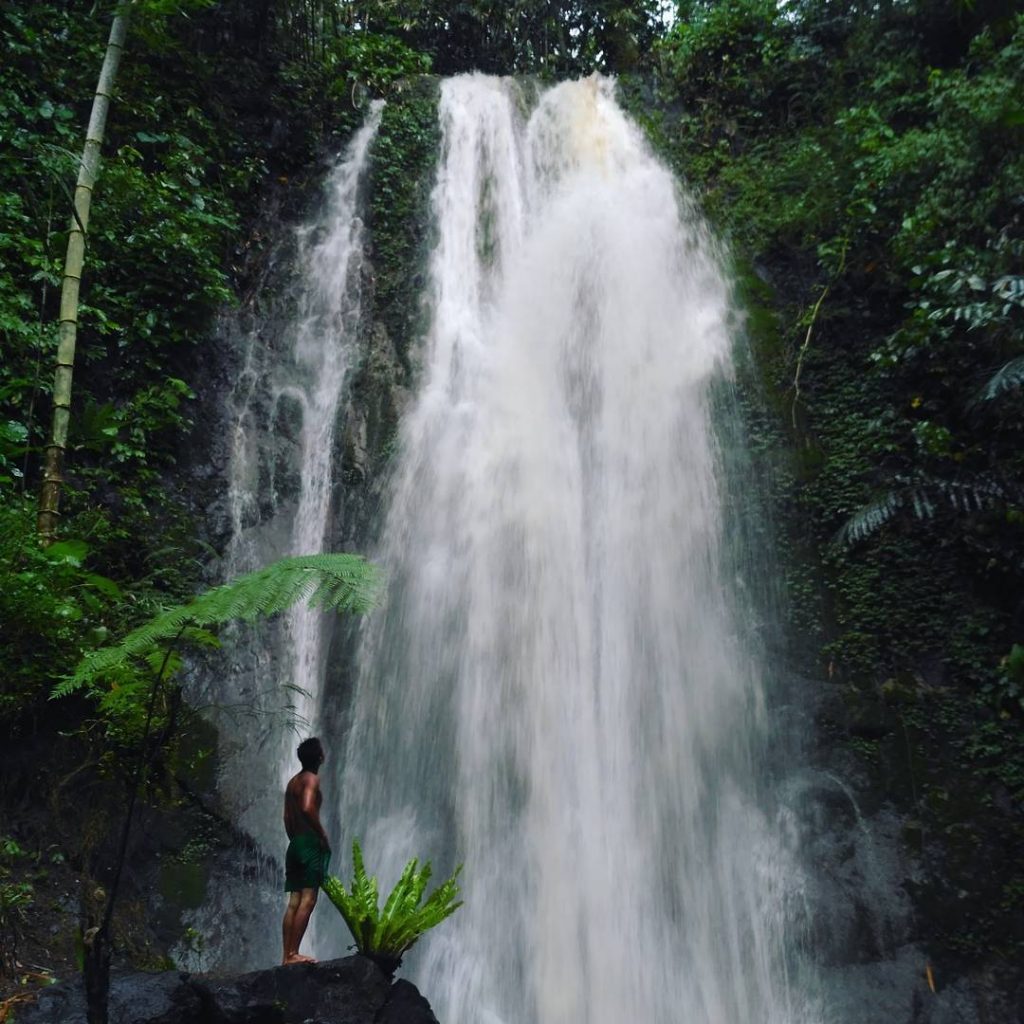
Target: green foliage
x=564 y=38
x=167 y=205
x=48 y=599
x=724 y=49
x=374 y=61
x=391 y=932
x=404 y=155
x=1007 y=689
x=163 y=212
x=344 y=583
x=877 y=152
x=193 y=132
x=814 y=134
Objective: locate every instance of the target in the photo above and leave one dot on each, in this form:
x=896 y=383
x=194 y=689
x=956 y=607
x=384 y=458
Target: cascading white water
x=324 y=342
x=285 y=408
x=558 y=691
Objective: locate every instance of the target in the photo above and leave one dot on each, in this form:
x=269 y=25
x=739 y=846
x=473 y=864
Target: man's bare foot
x=298 y=958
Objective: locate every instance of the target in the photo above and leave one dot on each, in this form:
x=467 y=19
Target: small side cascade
x=284 y=412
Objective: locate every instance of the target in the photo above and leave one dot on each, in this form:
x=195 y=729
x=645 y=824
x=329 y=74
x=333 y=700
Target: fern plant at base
x=385 y=935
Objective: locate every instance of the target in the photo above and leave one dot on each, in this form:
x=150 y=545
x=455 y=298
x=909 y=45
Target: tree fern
x=391 y=932
x=924 y=498
x=344 y=583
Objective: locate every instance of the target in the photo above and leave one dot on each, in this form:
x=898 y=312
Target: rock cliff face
x=352 y=990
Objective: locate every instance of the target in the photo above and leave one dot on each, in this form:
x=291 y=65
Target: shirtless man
x=309 y=852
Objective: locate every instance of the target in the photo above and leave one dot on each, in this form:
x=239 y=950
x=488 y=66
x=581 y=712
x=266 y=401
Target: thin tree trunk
x=99 y=946
x=53 y=466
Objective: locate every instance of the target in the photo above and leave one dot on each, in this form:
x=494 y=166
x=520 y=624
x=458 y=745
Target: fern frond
x=343 y=583
x=1004 y=379
x=394 y=901
x=923 y=498
x=364 y=888
x=339 y=896
x=869 y=519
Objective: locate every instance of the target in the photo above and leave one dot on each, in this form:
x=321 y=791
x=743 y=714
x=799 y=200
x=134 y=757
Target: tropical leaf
x=395 y=929
x=399 y=892
x=1007 y=378
x=338 y=582
x=924 y=499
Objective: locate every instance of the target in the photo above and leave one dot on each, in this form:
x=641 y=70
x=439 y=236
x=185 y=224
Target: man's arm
x=309 y=805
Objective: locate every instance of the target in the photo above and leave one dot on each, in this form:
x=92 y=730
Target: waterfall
x=561 y=690
x=284 y=410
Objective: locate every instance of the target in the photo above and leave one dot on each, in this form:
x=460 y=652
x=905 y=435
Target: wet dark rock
x=405 y=1005
x=896 y=989
x=135 y=997
x=876 y=907
x=352 y=990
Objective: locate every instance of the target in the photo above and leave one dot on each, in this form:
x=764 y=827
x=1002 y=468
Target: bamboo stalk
x=88 y=171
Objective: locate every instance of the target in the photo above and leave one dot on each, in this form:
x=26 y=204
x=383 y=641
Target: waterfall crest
x=560 y=691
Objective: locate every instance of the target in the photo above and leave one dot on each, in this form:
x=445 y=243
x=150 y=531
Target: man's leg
x=288 y=924
x=306 y=903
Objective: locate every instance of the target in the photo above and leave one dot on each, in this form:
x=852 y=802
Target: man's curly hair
x=311 y=754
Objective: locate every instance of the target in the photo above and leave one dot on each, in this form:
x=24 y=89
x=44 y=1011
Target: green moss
x=183 y=884
x=401 y=177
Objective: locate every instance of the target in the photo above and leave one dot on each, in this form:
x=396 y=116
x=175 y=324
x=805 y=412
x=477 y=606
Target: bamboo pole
x=88 y=171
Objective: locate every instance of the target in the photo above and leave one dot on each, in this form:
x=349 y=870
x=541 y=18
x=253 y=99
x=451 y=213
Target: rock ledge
x=352 y=990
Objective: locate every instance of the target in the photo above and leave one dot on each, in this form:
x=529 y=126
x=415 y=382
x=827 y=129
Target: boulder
x=352 y=990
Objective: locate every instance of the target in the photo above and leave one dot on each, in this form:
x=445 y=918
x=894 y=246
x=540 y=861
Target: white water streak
x=286 y=407
x=324 y=342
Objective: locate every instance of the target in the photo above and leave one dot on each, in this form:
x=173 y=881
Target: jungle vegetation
x=861 y=161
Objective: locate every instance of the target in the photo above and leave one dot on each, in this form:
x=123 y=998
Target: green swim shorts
x=305 y=863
